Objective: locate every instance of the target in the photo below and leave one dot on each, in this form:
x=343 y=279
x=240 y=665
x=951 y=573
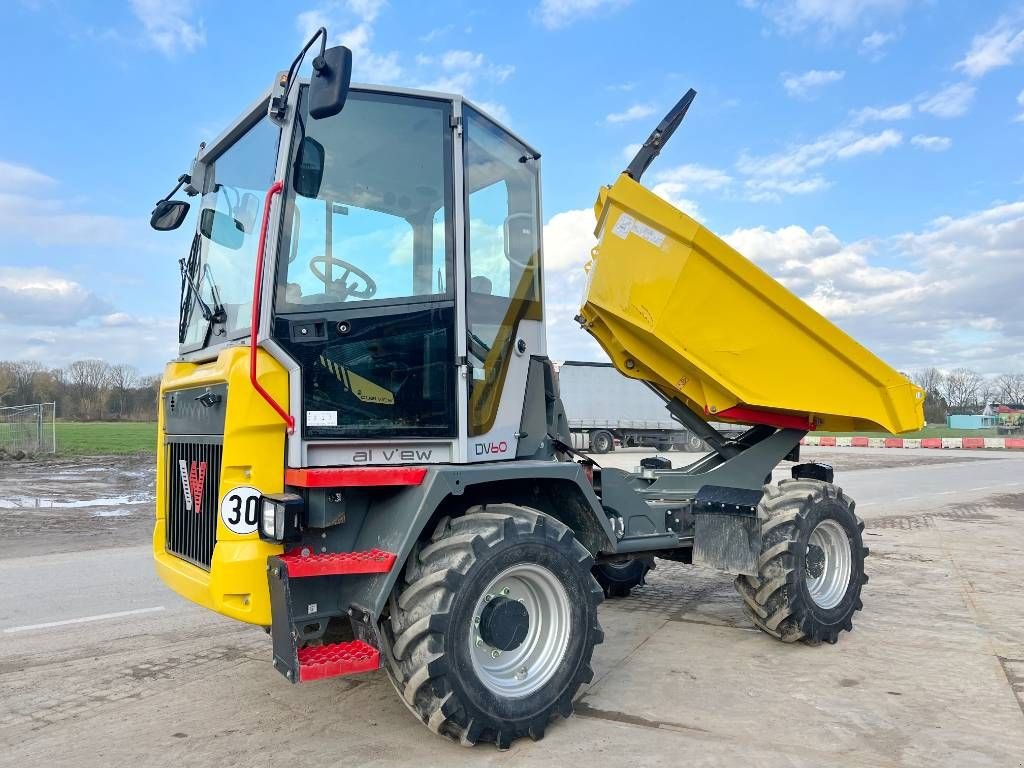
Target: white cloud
x=46 y=221
x=496 y=110
x=953 y=101
x=792 y=171
x=932 y=143
x=461 y=71
x=635 y=112
x=873 y=144
x=16 y=178
x=873 y=45
x=1020 y=100
x=944 y=296
x=367 y=64
x=801 y=158
x=38 y=296
x=772 y=190
x=146 y=342
x=672 y=192
x=629 y=151
x=825 y=17
x=808 y=84
x=1000 y=46
x=436 y=33
x=555 y=14
x=882 y=114
x=169 y=26
x=695 y=175
x=568 y=239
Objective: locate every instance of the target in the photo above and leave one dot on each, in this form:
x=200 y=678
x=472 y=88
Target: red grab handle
x=257 y=294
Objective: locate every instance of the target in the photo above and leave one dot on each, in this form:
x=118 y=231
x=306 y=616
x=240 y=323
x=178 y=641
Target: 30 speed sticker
x=239 y=509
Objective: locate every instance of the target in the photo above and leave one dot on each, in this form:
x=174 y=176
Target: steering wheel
x=318 y=264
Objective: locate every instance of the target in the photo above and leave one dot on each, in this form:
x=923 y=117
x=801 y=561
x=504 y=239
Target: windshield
x=223 y=256
x=377 y=228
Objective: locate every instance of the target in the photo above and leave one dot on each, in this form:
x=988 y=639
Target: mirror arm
x=183 y=179
x=279 y=103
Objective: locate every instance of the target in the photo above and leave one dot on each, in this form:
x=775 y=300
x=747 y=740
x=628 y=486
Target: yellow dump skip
x=674 y=305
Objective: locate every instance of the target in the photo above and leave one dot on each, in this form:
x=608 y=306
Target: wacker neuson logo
x=193 y=479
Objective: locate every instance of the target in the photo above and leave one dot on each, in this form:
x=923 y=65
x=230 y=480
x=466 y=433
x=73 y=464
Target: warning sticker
x=623 y=225
x=321 y=418
x=650 y=234
x=627 y=224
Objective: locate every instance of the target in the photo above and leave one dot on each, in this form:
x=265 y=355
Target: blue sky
x=868 y=153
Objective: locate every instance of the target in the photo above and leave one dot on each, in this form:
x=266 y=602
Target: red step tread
x=337 y=563
x=320 y=661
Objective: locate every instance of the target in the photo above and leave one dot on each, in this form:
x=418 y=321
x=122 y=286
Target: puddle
x=110 y=513
x=38 y=502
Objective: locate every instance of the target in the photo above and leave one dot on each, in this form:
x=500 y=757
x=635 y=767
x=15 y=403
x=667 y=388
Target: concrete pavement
x=933 y=673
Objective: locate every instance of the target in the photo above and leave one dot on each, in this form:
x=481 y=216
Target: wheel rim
x=601 y=443
x=829 y=563
x=522 y=670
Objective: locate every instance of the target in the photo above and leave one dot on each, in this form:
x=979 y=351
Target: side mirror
x=221 y=228
x=309 y=168
x=332 y=74
x=168 y=215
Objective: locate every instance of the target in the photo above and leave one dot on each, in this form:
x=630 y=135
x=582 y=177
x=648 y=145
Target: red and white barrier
x=964 y=443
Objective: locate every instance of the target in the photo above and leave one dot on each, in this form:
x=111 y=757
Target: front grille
x=191 y=509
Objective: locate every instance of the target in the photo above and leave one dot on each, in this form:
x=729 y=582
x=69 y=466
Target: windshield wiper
x=208 y=314
x=219 y=313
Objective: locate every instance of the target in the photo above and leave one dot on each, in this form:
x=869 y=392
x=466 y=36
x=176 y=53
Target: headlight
x=281 y=517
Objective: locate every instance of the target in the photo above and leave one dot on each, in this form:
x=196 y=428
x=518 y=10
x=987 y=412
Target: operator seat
x=481 y=285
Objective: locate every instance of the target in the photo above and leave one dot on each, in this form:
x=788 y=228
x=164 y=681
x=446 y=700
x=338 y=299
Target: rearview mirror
x=245 y=211
x=221 y=228
x=309 y=168
x=168 y=215
x=332 y=74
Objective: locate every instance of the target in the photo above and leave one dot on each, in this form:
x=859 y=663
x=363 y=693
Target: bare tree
x=88 y=380
x=928 y=379
x=962 y=388
x=122 y=378
x=6 y=384
x=1010 y=387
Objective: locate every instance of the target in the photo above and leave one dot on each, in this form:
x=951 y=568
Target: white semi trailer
x=605 y=408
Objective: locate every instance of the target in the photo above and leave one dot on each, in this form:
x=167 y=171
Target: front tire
x=493 y=625
x=811 y=568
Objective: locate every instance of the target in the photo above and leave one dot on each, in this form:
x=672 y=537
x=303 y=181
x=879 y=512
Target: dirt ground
x=58 y=504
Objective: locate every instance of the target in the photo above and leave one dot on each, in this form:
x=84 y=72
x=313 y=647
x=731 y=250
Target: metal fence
x=29 y=428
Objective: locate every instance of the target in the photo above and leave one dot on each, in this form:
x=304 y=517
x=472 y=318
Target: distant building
x=978 y=421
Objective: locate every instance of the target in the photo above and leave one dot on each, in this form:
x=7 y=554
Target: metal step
x=337 y=659
x=302 y=563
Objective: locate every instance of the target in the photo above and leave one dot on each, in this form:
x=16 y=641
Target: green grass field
x=97 y=437
x=932 y=430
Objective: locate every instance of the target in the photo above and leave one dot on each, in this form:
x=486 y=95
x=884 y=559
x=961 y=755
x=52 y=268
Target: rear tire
x=602 y=441
x=811 y=568
x=618 y=579
x=439 y=661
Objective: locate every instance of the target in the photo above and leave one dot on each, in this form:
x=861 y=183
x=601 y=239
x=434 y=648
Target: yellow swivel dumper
x=362 y=445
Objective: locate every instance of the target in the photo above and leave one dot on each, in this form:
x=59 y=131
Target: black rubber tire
x=602 y=441
x=777 y=599
x=431 y=611
x=618 y=579
x=663 y=447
